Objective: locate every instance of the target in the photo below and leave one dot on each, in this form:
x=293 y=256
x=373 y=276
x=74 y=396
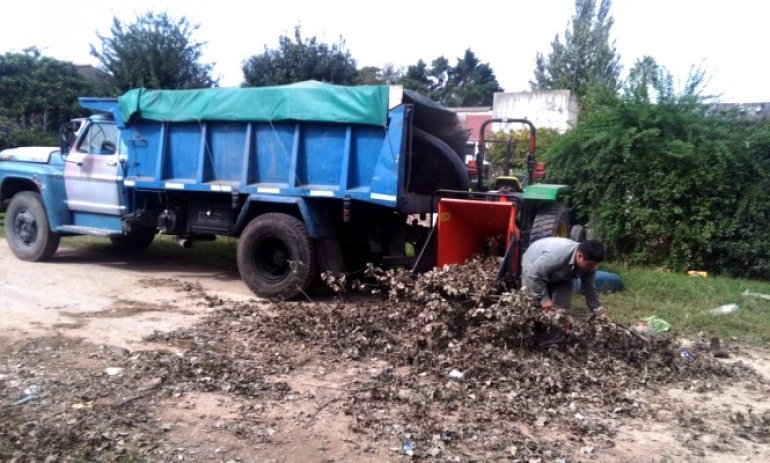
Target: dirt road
x=95 y=294
x=87 y=305
x=107 y=358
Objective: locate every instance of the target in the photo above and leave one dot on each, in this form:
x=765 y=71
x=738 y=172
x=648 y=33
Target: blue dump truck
x=309 y=177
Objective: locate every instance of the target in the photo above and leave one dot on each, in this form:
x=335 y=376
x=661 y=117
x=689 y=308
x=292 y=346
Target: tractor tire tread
x=548 y=220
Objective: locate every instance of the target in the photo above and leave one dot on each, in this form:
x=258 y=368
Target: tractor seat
x=510 y=184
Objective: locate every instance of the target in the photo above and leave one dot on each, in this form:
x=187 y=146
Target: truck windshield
x=100 y=138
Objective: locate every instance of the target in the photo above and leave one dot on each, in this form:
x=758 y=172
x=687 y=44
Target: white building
x=557 y=109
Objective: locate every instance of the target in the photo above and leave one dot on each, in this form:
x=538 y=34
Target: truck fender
x=256 y=204
x=327 y=246
x=12 y=185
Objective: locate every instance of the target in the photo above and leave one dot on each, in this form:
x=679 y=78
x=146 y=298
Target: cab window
x=99 y=139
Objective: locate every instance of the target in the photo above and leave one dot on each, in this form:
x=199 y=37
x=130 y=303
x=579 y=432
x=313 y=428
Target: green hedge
x=673 y=182
x=12 y=135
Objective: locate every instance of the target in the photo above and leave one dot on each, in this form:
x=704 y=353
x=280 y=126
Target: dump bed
x=303 y=140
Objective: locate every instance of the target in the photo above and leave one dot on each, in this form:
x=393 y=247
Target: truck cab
x=76 y=189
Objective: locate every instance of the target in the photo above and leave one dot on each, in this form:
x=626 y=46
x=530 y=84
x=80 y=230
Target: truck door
x=92 y=171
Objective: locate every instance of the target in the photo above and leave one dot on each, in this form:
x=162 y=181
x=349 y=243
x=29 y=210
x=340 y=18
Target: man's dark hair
x=592 y=250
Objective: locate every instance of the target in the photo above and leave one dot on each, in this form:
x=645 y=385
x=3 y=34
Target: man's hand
x=547 y=305
x=601 y=314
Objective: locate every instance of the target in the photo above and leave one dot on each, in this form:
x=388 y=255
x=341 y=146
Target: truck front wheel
x=26 y=225
x=276 y=258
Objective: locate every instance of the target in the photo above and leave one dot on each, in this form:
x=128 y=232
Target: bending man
x=550 y=264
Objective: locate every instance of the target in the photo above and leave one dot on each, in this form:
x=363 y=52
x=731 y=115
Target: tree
x=390 y=74
x=372 y=75
x=469 y=83
x=37 y=94
x=473 y=83
x=587 y=57
x=297 y=60
x=417 y=78
x=369 y=75
x=155 y=51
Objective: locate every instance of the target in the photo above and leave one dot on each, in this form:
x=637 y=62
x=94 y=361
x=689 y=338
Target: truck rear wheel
x=26 y=225
x=552 y=219
x=276 y=258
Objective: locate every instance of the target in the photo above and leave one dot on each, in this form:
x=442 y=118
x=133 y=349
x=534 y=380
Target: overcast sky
x=727 y=39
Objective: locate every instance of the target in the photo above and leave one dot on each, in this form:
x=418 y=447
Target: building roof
x=473 y=124
x=89 y=72
x=753 y=111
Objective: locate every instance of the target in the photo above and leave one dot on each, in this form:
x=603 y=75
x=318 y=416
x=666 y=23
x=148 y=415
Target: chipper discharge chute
x=465 y=227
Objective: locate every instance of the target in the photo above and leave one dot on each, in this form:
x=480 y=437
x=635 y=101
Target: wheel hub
x=25 y=227
x=279 y=257
x=271 y=258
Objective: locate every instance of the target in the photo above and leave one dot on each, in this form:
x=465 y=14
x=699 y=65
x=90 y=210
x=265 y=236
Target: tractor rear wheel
x=276 y=258
x=552 y=219
x=577 y=233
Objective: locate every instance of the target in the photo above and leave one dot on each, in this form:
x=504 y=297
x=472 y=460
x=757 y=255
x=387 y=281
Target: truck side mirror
x=66 y=138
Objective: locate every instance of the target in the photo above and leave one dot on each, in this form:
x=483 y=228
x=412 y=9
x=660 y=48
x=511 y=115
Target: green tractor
x=502 y=220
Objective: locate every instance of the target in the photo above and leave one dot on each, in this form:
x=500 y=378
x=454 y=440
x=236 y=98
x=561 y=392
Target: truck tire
x=552 y=219
x=276 y=258
x=137 y=240
x=26 y=226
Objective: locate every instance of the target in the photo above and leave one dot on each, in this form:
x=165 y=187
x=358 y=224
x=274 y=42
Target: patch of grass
x=686 y=303
x=218 y=253
x=7 y=448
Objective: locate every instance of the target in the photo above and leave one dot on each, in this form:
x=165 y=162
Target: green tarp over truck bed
x=304 y=101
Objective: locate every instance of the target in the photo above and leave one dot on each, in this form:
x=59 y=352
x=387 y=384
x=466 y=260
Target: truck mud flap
x=426 y=260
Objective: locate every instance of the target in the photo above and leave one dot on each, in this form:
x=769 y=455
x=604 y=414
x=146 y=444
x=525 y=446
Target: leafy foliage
x=668 y=179
x=12 y=135
x=372 y=75
x=155 y=51
x=418 y=78
x=586 y=56
x=469 y=83
x=301 y=59
x=37 y=94
x=369 y=75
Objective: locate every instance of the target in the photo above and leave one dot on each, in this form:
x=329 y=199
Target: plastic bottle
x=724 y=309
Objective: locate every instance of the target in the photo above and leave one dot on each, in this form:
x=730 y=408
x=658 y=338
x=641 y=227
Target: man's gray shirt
x=552 y=261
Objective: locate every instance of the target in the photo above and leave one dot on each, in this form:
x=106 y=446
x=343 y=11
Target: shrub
x=669 y=180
